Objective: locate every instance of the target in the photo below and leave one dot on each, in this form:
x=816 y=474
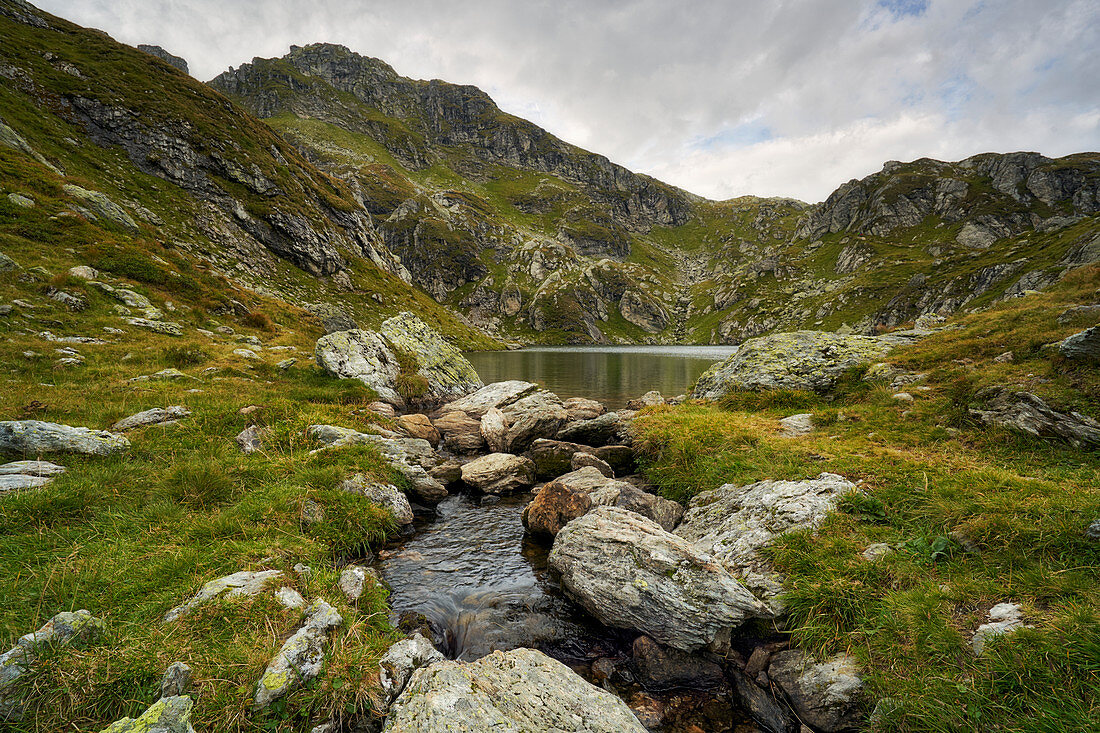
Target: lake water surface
x=610 y=374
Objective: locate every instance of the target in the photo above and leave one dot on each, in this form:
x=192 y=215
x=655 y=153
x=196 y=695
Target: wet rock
x=802 y=360
x=76 y=629
x=1083 y=346
x=581 y=460
x=796 y=425
x=167 y=328
x=582 y=408
x=664 y=668
x=553 y=458
x=157 y=415
x=824 y=695
x=301 y=658
x=497 y=394
x=166 y=715
x=619 y=457
x=387 y=496
x=494 y=428
x=35 y=437
x=1004 y=618
x=251 y=439
x=1026 y=413
x=598 y=431
x=461 y=432
x=539 y=415
x=522 y=690
x=629 y=573
x=242 y=583
x=419 y=426
x=499 y=473
x=773 y=716
x=176 y=680
x=402 y=659
x=733 y=523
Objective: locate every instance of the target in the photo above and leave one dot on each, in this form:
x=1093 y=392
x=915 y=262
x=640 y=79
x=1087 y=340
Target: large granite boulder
x=371 y=357
x=497 y=394
x=520 y=691
x=800 y=360
x=301 y=657
x=629 y=573
x=538 y=415
x=68 y=628
x=34 y=437
x=499 y=473
x=825 y=695
x=734 y=523
x=1027 y=413
x=576 y=493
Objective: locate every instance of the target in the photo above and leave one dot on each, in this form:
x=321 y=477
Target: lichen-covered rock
x=68 y=628
x=1083 y=346
x=301 y=658
x=402 y=659
x=733 y=523
x=825 y=695
x=629 y=573
x=496 y=394
x=176 y=680
x=31 y=468
x=449 y=374
x=552 y=458
x=168 y=328
x=101 y=205
x=362 y=355
x=805 y=360
x=332 y=317
x=499 y=473
x=384 y=495
x=1004 y=618
x=251 y=439
x=243 y=583
x=353 y=582
x=539 y=415
x=409 y=456
x=796 y=425
x=599 y=431
x=520 y=691
x=166 y=715
x=1027 y=413
x=35 y=437
x=155 y=416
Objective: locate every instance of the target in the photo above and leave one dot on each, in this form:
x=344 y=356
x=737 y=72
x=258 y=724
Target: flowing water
x=610 y=374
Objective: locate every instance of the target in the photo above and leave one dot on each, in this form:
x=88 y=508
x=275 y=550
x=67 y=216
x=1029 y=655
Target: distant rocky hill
x=370 y=193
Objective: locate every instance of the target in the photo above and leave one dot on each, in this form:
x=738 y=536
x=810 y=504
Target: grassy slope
x=932 y=478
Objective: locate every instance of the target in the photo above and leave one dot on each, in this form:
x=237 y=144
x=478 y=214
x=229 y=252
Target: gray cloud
x=722 y=98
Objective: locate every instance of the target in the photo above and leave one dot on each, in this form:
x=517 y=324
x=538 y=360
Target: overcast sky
x=721 y=97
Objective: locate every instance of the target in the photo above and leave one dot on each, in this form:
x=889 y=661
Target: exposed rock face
x=67 y=628
x=166 y=715
x=243 y=583
x=825 y=695
x=733 y=523
x=499 y=473
x=35 y=437
x=523 y=691
x=155 y=416
x=362 y=355
x=1026 y=413
x=402 y=659
x=497 y=394
x=1083 y=346
x=160 y=53
x=384 y=495
x=665 y=668
x=539 y=415
x=448 y=372
x=802 y=360
x=301 y=658
x=629 y=573
x=643 y=311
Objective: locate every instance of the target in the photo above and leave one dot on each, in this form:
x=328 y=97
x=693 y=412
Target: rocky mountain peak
x=178 y=61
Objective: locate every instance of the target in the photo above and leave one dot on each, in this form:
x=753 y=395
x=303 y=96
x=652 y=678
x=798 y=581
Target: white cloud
x=691 y=92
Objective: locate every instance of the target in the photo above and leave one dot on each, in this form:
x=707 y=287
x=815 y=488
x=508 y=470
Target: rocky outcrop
x=801 y=360
x=77 y=629
x=362 y=355
x=629 y=573
x=1027 y=413
x=734 y=523
x=499 y=473
x=301 y=658
x=34 y=437
x=824 y=695
x=1083 y=346
x=449 y=375
x=178 y=61
x=522 y=690
x=411 y=457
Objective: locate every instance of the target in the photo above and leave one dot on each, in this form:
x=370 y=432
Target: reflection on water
x=610 y=374
x=483 y=587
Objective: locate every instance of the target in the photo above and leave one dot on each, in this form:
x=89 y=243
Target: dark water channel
x=483 y=585
x=610 y=374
